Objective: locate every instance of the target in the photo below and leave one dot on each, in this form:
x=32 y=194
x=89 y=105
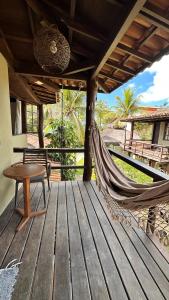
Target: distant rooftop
x=159 y=115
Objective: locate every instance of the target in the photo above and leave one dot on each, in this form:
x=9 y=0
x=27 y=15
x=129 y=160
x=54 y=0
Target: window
x=16 y=116
x=32 y=120
x=166 y=132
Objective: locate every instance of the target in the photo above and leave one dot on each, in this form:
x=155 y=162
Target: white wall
x=6 y=140
x=161 y=141
x=21 y=142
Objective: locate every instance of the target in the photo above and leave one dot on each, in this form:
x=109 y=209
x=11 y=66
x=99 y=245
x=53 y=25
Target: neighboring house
x=155 y=148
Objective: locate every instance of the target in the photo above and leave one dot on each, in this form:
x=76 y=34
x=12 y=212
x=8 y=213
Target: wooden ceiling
x=112 y=40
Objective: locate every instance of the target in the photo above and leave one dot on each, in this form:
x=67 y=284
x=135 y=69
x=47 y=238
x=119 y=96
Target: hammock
x=127 y=199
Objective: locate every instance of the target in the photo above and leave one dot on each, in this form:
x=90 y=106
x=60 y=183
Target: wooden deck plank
x=80 y=284
x=15 y=251
x=156 y=273
x=96 y=278
x=116 y=290
x=128 y=276
x=155 y=253
x=129 y=242
x=62 y=280
x=76 y=252
x=43 y=280
x=9 y=233
x=9 y=211
x=29 y=258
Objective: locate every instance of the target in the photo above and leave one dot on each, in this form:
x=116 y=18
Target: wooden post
x=24 y=120
x=151 y=218
x=40 y=126
x=91 y=97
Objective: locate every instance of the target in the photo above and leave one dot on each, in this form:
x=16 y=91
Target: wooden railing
x=145 y=149
x=153 y=173
x=58 y=150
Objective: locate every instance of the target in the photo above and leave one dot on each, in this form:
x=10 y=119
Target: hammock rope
x=127 y=199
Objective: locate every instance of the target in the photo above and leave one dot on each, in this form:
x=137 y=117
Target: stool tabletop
x=23 y=171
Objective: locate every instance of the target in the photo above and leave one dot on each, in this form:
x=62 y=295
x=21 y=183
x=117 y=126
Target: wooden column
x=24 y=121
x=90 y=106
x=156 y=132
x=40 y=126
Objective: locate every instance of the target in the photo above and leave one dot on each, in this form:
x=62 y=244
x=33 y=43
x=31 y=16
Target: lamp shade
x=51 y=50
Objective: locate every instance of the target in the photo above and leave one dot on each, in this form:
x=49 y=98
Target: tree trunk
x=91 y=97
x=40 y=126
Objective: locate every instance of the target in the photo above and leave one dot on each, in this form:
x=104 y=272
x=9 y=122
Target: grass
x=132 y=173
x=128 y=170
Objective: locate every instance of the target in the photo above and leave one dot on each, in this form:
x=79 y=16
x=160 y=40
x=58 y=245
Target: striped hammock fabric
x=127 y=199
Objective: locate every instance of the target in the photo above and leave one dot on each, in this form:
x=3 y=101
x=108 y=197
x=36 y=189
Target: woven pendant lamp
x=51 y=50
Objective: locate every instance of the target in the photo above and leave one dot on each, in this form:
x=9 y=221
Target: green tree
x=74 y=110
x=63 y=135
x=128 y=105
x=104 y=115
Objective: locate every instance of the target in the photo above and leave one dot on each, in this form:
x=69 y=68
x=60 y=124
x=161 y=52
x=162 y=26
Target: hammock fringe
x=127 y=201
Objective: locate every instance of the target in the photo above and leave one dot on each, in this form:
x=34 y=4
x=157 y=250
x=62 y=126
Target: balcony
x=155 y=152
x=76 y=251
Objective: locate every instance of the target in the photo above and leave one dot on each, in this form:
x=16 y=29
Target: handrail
x=53 y=150
x=152 y=172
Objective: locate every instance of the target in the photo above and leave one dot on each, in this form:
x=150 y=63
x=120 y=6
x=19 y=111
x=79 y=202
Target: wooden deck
x=76 y=252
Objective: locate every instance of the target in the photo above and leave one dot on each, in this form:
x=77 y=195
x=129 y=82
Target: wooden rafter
x=27 y=69
x=72 y=14
x=5 y=49
x=146 y=36
x=135 y=53
x=83 y=67
x=131 y=12
x=154 y=21
x=39 y=8
x=103 y=86
x=48 y=84
x=153 y=12
x=111 y=77
x=31 y=21
x=120 y=67
x=23 y=82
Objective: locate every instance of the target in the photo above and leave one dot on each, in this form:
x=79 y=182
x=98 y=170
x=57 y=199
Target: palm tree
x=74 y=109
x=127 y=105
x=103 y=113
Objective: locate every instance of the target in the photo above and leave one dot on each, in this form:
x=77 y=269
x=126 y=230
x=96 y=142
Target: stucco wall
x=18 y=141
x=6 y=139
x=161 y=141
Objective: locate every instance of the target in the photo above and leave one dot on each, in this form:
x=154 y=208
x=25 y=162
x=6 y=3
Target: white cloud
x=159 y=90
x=131 y=85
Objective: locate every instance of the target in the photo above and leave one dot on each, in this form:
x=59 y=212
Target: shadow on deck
x=76 y=252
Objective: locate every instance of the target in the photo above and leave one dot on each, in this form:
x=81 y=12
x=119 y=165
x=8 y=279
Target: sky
x=152 y=84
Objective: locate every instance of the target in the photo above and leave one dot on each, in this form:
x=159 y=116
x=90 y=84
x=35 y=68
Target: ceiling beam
x=6 y=51
x=39 y=8
x=33 y=69
x=111 y=77
x=157 y=13
x=72 y=14
x=78 y=69
x=118 y=32
x=28 y=89
x=48 y=84
x=135 y=53
x=149 y=32
x=156 y=22
x=120 y=67
x=103 y=86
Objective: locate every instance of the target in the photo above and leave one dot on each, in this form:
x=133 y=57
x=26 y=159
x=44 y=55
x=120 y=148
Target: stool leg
x=16 y=192
x=44 y=196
